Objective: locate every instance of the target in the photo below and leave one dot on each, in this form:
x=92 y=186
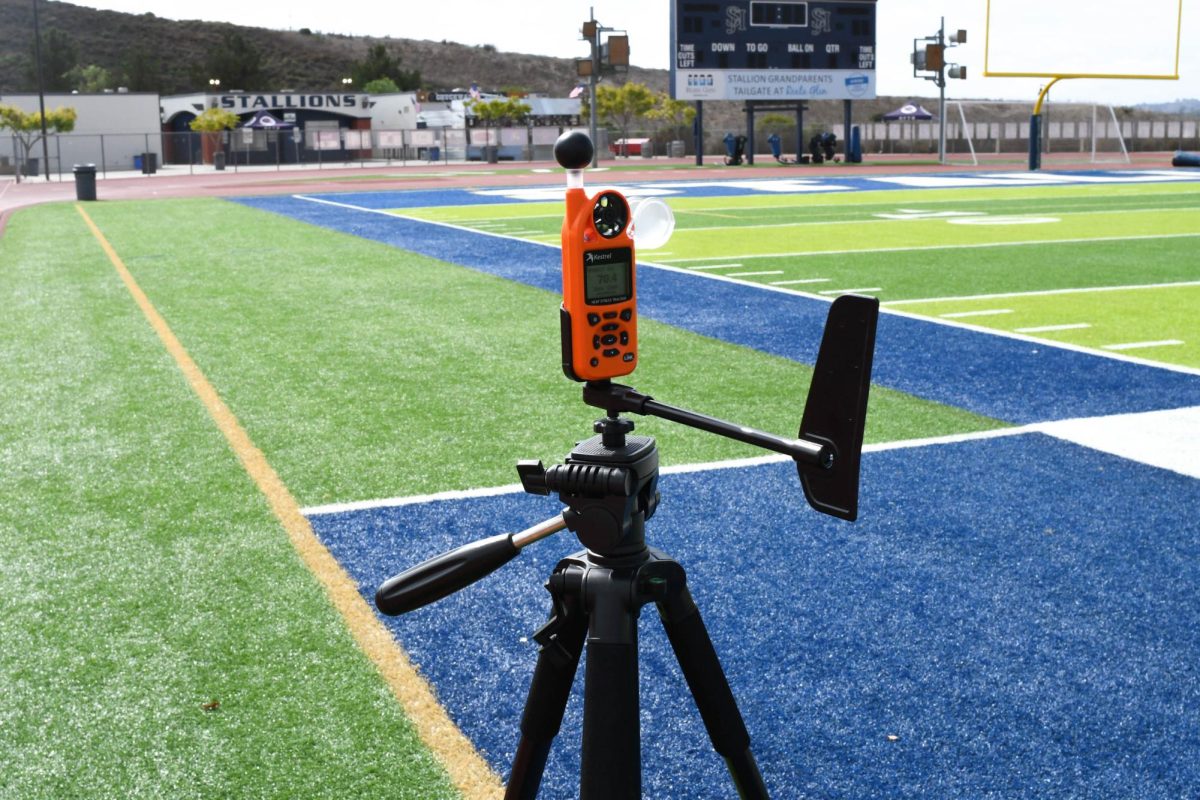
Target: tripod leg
x=710 y=689
x=611 y=763
x=562 y=642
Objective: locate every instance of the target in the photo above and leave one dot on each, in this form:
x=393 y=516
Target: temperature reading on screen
x=606 y=276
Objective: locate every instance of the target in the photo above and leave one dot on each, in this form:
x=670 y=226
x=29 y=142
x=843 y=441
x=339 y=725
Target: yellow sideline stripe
x=467 y=770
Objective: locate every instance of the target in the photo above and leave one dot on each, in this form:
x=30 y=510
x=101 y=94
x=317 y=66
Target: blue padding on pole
x=1010 y=618
x=1009 y=379
x=1035 y=141
x=1183 y=158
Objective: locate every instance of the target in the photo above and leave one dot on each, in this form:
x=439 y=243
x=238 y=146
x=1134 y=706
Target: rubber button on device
x=610 y=315
x=610 y=326
x=593 y=319
x=610 y=339
x=628 y=357
x=612 y=351
x=627 y=314
x=624 y=337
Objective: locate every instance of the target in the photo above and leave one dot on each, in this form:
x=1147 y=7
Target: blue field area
x=1009 y=379
x=732 y=187
x=1010 y=618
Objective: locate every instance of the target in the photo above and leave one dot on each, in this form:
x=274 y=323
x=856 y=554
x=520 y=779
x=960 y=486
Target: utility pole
x=37 y=57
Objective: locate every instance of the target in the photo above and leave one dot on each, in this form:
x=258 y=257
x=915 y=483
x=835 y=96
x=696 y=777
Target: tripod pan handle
x=445 y=574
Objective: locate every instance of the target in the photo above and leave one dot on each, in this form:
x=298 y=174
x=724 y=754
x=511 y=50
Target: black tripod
x=609 y=484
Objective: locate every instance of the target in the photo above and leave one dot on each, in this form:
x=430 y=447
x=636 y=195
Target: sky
x=551 y=27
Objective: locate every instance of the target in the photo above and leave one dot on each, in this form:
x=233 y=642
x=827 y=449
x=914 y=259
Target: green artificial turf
x=363 y=371
x=161 y=637
x=833 y=242
x=1158 y=323
x=143 y=576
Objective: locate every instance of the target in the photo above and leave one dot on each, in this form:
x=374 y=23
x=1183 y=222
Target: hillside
x=176 y=52
x=148 y=53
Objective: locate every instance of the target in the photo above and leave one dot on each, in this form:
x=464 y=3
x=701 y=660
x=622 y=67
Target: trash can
x=677 y=148
x=85 y=181
x=855 y=154
x=435 y=153
x=149 y=163
x=776 y=145
x=137 y=163
x=219 y=160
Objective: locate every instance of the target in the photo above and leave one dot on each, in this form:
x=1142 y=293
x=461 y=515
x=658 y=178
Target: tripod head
x=609 y=482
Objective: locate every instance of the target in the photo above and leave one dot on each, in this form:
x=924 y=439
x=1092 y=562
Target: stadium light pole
x=931 y=59
x=611 y=58
x=591 y=32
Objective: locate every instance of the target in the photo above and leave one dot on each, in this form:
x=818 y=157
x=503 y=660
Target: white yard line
x=988 y=312
x=753 y=274
x=1140 y=345
x=668 y=266
x=920 y=248
x=1167 y=439
x=733 y=463
x=943 y=216
x=1073 y=326
x=1043 y=293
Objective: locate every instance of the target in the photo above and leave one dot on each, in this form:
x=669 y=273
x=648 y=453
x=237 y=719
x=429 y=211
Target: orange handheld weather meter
x=599 y=309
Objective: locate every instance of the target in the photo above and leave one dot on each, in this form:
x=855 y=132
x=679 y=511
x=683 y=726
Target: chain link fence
x=318 y=147
x=311 y=146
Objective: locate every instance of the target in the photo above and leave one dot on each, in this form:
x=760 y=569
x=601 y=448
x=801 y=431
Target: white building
x=110 y=130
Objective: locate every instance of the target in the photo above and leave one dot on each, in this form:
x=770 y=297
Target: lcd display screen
x=608 y=276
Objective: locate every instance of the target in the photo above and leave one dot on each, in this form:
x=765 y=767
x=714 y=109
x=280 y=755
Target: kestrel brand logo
x=598 y=256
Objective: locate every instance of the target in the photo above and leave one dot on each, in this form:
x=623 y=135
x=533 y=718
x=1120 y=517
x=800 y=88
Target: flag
x=475 y=91
x=578 y=90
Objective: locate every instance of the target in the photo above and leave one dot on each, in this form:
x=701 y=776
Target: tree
x=92 y=78
x=142 y=71
x=380 y=63
x=214 y=120
x=381 y=86
x=235 y=62
x=499 y=111
x=674 y=115
x=623 y=106
x=58 y=58
x=27 y=125
x=210 y=124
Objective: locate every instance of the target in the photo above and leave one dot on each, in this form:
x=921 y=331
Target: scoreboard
x=772 y=50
